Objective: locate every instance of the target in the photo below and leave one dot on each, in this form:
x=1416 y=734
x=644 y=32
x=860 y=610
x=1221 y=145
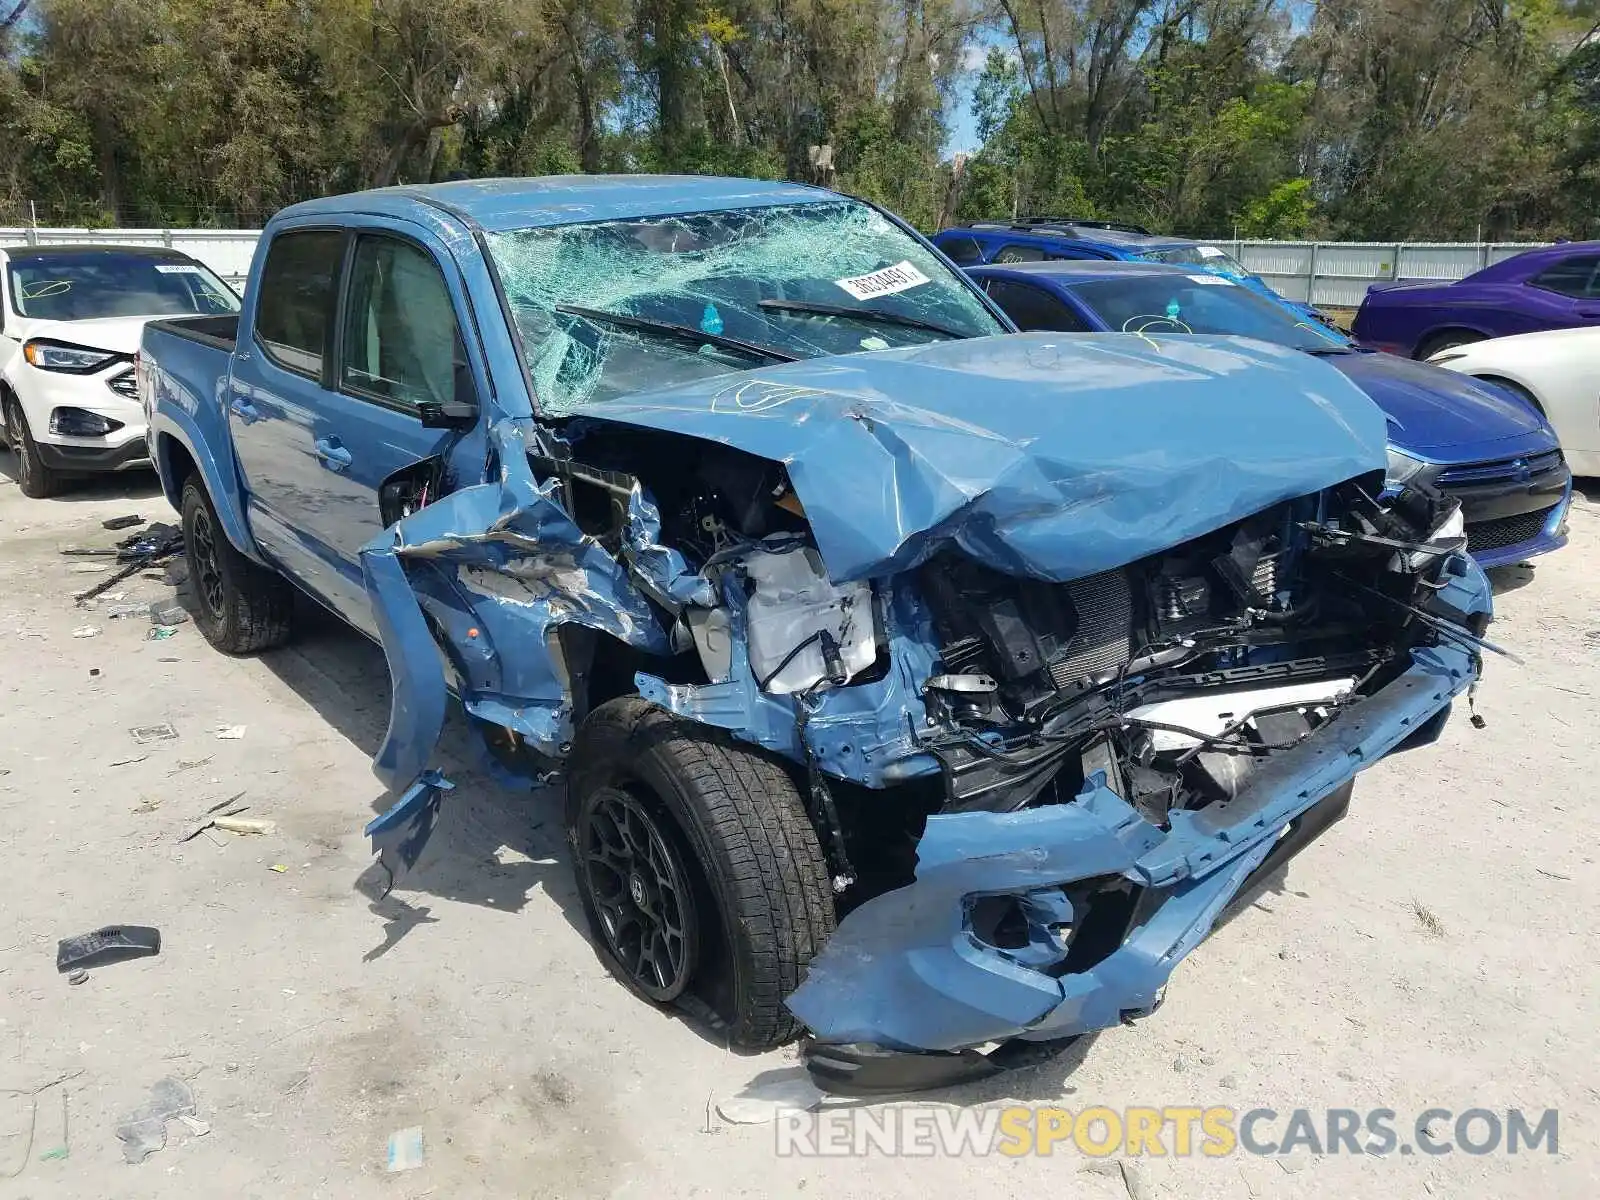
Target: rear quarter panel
x=186 y=385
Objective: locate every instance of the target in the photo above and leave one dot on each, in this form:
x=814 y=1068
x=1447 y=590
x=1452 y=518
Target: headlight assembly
x=1401 y=469
x=58 y=356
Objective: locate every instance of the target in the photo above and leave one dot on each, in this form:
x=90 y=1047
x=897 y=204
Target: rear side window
x=400 y=337
x=963 y=251
x=1035 y=310
x=1577 y=276
x=296 y=298
x=1016 y=254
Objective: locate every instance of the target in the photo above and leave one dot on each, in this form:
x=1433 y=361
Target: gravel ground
x=1437 y=948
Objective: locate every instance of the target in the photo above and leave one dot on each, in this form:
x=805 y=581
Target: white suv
x=70 y=322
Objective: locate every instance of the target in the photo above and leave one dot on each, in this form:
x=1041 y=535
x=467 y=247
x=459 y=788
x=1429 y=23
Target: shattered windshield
x=616 y=307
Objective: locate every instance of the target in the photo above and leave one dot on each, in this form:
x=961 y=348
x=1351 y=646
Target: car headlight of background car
x=1401 y=469
x=60 y=356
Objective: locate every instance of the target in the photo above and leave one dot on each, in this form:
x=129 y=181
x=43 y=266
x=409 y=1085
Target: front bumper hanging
x=907 y=975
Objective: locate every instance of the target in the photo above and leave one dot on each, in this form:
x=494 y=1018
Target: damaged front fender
x=479 y=581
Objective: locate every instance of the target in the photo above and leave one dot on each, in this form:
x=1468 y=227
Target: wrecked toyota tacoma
x=922 y=686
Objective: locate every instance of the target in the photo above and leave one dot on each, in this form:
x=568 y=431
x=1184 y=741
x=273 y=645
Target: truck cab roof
x=502 y=204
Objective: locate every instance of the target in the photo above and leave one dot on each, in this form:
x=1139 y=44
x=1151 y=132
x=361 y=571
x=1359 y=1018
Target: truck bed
x=220 y=333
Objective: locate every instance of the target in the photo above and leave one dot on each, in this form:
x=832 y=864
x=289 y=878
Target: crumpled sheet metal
x=1041 y=455
x=857 y=733
x=497 y=567
x=905 y=971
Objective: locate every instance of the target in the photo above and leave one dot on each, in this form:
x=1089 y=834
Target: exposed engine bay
x=1171 y=678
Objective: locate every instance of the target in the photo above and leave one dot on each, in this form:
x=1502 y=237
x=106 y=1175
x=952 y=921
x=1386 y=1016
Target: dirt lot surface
x=1437 y=948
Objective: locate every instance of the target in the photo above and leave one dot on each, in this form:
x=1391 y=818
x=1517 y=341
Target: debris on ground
x=32 y=1095
x=89 y=568
x=102 y=947
x=405 y=1149
x=127 y=522
x=245 y=824
x=118 y=611
x=86 y=631
x=127 y=762
x=145 y=734
x=145 y=805
x=148 y=548
x=163 y=613
x=1428 y=920
x=160 y=633
x=144 y=1131
x=190 y=764
x=230 y=733
x=765 y=1098
x=81 y=975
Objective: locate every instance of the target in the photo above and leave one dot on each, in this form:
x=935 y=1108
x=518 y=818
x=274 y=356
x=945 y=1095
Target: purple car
x=1555 y=287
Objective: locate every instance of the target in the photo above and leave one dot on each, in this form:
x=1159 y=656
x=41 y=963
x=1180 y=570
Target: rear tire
x=1448 y=340
x=733 y=822
x=36 y=480
x=240 y=607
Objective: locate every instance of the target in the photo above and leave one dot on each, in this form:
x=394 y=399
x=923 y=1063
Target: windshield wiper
x=874 y=316
x=678 y=333
x=1322 y=351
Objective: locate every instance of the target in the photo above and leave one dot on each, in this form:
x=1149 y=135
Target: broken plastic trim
x=905 y=970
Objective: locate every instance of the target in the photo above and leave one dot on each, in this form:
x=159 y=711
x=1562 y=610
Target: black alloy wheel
x=641 y=891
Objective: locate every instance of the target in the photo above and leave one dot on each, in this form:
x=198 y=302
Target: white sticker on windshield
x=1212 y=279
x=898 y=278
x=177 y=268
x=1209 y=252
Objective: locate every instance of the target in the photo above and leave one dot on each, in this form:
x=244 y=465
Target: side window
x=1034 y=309
x=296 y=305
x=963 y=251
x=1016 y=254
x=1071 y=254
x=1578 y=276
x=400 y=337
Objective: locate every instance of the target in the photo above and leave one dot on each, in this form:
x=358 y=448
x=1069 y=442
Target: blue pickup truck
x=913 y=682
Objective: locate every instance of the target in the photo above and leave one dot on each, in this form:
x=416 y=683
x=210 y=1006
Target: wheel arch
x=178 y=455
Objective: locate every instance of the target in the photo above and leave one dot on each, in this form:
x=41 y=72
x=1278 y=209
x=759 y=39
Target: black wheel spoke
x=638 y=887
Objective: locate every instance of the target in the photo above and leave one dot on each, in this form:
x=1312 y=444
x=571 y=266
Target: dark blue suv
x=1045 y=239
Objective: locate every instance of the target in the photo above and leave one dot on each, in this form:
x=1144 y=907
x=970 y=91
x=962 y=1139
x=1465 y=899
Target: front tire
x=36 y=480
x=730 y=823
x=240 y=607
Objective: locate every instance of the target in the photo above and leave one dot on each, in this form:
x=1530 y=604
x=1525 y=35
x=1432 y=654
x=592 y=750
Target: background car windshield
x=1200 y=304
x=113 y=283
x=1217 y=261
x=710 y=272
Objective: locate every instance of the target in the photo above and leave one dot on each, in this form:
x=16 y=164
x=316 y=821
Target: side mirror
x=459 y=413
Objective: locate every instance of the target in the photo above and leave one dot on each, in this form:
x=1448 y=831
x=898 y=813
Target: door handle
x=331 y=454
x=244 y=410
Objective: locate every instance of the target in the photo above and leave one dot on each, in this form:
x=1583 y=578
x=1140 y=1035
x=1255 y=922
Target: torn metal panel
x=486 y=574
x=866 y=732
x=906 y=970
x=1038 y=455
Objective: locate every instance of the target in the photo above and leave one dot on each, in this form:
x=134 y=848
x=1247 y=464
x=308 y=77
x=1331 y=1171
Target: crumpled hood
x=1037 y=454
x=1436 y=409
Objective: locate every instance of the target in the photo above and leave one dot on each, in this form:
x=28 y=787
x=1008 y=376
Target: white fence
x=1325 y=273
x=1336 y=274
